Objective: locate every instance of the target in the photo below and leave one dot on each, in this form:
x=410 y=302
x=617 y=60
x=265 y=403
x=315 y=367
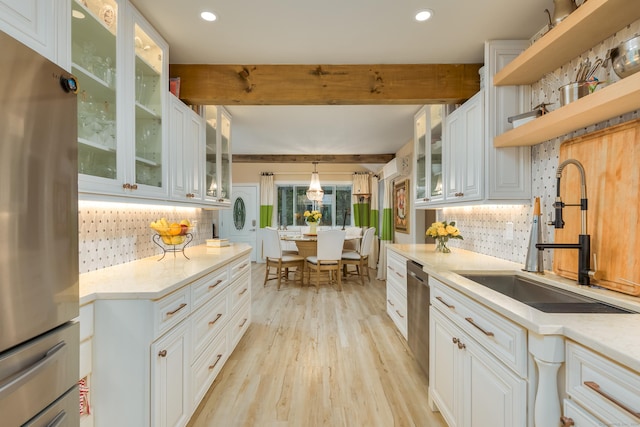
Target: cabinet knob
x=461 y=346
x=459 y=194
x=162 y=353
x=126 y=186
x=134 y=186
x=566 y=422
x=455 y=340
x=426 y=199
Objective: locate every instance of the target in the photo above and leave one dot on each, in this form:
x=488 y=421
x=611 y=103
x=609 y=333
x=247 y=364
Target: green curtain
x=386 y=236
x=267 y=190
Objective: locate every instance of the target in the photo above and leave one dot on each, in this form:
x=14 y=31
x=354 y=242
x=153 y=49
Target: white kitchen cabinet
x=601 y=387
x=218 y=155
x=186 y=142
x=121 y=64
x=42 y=25
x=170 y=376
x=86 y=357
x=463 y=151
x=397 y=290
x=469 y=382
x=576 y=416
x=428 y=173
x=476 y=172
x=154 y=360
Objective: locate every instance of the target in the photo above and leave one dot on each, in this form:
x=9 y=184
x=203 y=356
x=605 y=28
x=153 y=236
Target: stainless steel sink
x=541 y=296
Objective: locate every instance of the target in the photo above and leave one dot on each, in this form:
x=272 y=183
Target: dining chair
x=328 y=258
x=272 y=251
x=352 y=239
x=360 y=258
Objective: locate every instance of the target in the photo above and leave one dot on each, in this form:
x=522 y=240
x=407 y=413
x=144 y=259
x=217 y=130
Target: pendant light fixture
x=315 y=192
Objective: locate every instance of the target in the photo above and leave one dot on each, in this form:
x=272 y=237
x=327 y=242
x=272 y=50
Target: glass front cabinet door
x=218 y=155
x=428 y=154
x=94 y=38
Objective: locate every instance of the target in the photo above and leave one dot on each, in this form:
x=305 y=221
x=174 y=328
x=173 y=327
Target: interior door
x=239 y=224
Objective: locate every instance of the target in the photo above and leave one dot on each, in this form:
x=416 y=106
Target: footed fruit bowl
x=172 y=236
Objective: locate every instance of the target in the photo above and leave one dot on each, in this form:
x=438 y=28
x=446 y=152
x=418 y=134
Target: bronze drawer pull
x=162 y=353
x=243 y=322
x=218 y=357
x=595 y=387
x=567 y=422
x=400 y=314
x=242 y=266
x=243 y=291
x=401 y=275
x=215 y=284
x=392 y=304
x=171 y=313
x=487 y=333
x=452 y=307
x=212 y=322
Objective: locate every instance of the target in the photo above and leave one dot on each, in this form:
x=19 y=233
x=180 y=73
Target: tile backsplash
x=483 y=227
x=110 y=234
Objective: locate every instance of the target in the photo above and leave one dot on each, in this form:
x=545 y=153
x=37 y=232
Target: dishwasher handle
x=415 y=276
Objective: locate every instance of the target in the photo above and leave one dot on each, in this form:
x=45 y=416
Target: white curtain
x=374 y=221
x=386 y=235
x=267 y=191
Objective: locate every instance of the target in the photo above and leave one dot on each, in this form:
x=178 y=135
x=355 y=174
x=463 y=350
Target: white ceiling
x=334 y=32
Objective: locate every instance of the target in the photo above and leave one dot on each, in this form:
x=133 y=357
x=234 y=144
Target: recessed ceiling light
x=77 y=14
x=424 y=15
x=208 y=16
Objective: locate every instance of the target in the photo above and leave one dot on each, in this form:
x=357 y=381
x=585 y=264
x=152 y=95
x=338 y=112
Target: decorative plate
x=108 y=15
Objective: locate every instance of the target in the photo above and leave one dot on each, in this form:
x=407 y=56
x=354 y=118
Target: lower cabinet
x=397 y=290
x=600 y=391
x=154 y=360
x=476 y=379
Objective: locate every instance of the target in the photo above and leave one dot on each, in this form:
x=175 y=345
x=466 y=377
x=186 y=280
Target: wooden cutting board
x=611 y=159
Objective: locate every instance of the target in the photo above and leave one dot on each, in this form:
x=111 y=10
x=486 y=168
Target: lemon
x=175 y=229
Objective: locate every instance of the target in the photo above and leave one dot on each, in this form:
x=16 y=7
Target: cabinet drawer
x=608 y=389
x=578 y=416
x=205 y=288
x=238 y=325
x=207 y=366
x=397 y=267
x=86 y=321
x=239 y=266
x=207 y=322
x=240 y=292
x=170 y=310
x=397 y=310
x=503 y=338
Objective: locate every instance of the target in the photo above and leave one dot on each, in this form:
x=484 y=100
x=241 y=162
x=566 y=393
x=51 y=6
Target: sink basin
x=541 y=296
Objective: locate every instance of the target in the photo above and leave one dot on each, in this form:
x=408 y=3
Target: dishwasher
x=418 y=314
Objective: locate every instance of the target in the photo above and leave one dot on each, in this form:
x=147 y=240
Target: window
x=335 y=206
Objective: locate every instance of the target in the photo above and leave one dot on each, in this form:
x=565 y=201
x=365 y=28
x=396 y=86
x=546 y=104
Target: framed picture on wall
x=401 y=208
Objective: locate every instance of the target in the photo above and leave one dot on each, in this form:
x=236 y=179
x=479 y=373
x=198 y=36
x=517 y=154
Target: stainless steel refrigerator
x=39 y=349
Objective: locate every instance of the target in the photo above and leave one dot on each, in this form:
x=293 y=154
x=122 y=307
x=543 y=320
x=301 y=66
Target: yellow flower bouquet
x=442 y=232
x=313 y=216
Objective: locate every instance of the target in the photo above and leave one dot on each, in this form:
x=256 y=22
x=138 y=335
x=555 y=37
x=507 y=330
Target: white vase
x=313 y=228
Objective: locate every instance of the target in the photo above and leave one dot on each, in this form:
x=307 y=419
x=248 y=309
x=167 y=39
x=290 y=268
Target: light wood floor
x=319 y=359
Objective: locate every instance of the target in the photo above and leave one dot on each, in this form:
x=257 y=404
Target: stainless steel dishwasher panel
x=418 y=314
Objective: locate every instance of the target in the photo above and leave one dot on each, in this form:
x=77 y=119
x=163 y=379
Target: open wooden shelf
x=587 y=26
x=610 y=101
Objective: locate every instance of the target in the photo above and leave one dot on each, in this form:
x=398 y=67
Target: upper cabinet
x=121 y=65
x=428 y=153
x=587 y=26
x=218 y=155
x=42 y=25
x=461 y=166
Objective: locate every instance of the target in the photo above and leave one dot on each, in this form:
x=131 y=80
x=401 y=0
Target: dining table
x=307 y=244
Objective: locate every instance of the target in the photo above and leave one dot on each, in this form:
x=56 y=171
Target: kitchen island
x=538 y=346
x=158 y=332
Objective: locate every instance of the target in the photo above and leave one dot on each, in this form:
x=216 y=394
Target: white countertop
x=617 y=336
x=149 y=278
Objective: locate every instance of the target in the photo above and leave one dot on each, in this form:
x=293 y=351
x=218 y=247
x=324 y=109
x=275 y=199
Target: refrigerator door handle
x=13 y=382
x=57 y=421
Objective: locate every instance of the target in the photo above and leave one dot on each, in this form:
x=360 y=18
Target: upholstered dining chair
x=360 y=258
x=328 y=258
x=272 y=251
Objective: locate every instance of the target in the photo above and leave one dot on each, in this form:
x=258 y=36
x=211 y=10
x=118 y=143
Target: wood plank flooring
x=318 y=359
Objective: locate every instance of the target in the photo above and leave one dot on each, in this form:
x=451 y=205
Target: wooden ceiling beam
x=310 y=158
x=385 y=84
